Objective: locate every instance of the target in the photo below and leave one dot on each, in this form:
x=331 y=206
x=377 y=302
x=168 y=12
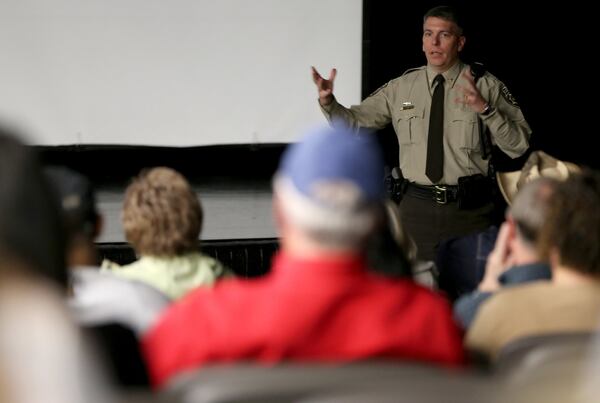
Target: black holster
x=395 y=185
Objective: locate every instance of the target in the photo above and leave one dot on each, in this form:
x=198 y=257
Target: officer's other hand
x=325 y=86
x=471 y=95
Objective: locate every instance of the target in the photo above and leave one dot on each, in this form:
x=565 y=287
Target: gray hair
x=332 y=227
x=530 y=206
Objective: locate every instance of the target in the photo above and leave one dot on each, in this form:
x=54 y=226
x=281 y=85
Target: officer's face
x=441 y=43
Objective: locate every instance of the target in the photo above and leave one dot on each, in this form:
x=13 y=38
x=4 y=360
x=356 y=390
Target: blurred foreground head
x=31 y=231
x=329 y=188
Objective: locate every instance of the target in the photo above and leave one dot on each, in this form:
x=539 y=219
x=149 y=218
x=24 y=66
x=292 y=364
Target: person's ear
x=512 y=227
x=461 y=42
x=554 y=257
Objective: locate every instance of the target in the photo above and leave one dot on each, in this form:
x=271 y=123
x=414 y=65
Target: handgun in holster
x=395 y=184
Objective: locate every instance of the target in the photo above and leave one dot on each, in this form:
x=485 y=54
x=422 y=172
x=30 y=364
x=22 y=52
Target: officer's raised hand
x=325 y=86
x=471 y=95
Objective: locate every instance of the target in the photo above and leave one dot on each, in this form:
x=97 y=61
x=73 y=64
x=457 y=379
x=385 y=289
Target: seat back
x=530 y=353
x=119 y=348
x=365 y=381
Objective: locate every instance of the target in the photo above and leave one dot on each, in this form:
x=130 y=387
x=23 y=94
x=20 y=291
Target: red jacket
x=304 y=310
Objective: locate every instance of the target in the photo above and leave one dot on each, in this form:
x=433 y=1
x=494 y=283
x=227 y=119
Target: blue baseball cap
x=335 y=155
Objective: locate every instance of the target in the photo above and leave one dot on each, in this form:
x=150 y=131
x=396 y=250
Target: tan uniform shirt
x=406 y=101
x=534 y=309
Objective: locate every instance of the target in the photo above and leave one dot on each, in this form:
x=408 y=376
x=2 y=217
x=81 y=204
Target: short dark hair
x=76 y=198
x=445 y=13
x=572 y=225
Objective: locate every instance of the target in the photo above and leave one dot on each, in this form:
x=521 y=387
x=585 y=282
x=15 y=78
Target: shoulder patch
x=413 y=69
x=508 y=96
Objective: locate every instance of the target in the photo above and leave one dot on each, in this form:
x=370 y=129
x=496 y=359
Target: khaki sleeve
x=372 y=113
x=506 y=123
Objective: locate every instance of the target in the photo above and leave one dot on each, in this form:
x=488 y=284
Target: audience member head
x=571 y=233
x=161 y=214
x=329 y=189
x=528 y=211
x=77 y=201
x=31 y=230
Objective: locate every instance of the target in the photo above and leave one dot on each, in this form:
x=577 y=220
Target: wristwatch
x=487 y=110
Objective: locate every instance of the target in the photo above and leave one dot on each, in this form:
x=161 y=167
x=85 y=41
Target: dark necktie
x=435 y=140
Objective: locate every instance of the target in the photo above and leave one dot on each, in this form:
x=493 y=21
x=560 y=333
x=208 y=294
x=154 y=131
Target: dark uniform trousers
x=429 y=222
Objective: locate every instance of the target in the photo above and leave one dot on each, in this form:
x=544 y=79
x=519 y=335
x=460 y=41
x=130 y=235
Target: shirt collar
x=451 y=75
x=525 y=273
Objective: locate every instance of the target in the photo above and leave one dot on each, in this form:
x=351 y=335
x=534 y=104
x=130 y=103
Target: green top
x=174 y=276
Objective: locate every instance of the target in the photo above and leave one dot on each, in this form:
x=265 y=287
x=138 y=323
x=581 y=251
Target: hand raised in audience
x=499 y=260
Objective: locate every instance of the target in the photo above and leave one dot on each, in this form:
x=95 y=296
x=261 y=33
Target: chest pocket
x=464 y=129
x=409 y=125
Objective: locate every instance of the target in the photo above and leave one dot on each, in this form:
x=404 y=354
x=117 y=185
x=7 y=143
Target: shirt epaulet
x=413 y=69
x=403 y=74
x=378 y=89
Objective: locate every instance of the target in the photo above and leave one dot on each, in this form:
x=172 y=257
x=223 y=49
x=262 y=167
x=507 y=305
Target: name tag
x=406 y=105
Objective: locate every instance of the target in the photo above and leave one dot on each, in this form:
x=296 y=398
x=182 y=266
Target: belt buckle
x=440 y=194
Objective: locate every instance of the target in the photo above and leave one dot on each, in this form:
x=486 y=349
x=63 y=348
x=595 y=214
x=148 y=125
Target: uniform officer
x=433 y=207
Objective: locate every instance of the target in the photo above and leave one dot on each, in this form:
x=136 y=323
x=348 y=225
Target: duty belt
x=441 y=194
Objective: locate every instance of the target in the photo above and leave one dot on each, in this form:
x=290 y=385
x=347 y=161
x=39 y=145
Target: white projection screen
x=173 y=72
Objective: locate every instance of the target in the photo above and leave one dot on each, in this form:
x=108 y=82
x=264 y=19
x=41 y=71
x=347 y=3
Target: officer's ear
x=461 y=42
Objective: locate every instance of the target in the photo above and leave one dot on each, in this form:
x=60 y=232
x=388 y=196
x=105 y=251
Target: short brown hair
x=161 y=214
x=446 y=13
x=572 y=225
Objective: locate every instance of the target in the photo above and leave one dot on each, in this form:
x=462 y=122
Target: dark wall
x=543 y=54
x=217 y=166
